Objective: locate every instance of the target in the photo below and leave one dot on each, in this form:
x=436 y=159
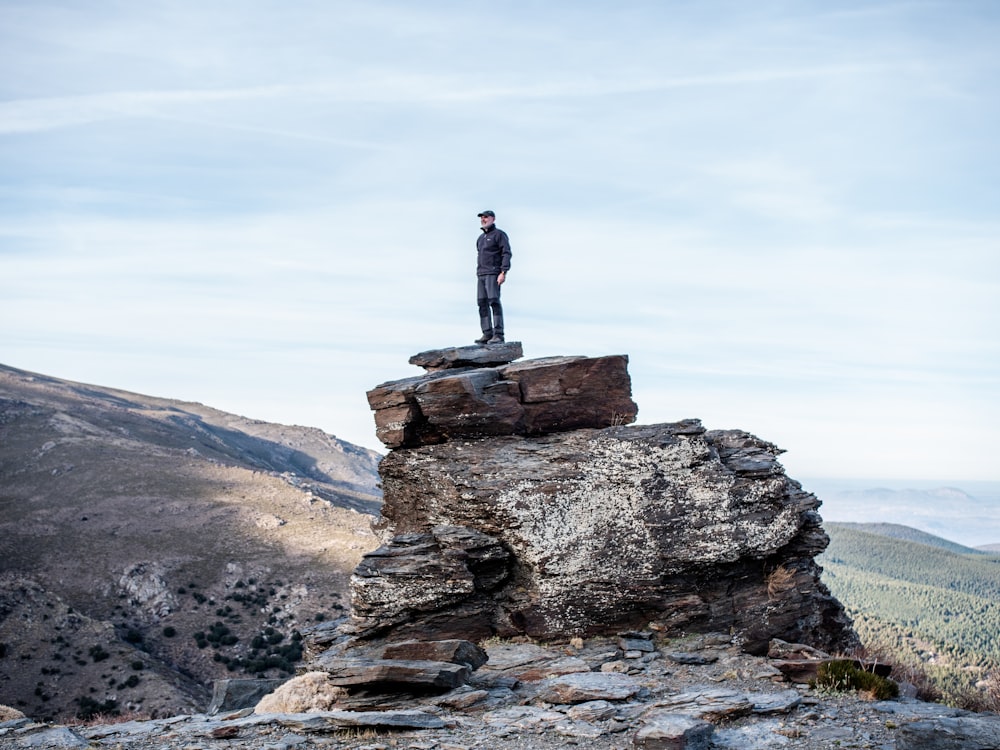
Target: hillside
x=930 y=602
x=149 y=546
x=909 y=534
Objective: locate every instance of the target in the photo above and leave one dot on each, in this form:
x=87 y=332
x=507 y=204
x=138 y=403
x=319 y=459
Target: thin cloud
x=49 y=113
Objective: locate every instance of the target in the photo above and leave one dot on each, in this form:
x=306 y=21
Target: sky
x=784 y=212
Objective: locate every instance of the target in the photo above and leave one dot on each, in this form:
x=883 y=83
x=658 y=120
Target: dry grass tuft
x=106 y=719
x=779 y=580
x=10 y=714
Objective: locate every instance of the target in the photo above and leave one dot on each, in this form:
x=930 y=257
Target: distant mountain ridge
x=969 y=514
x=148 y=546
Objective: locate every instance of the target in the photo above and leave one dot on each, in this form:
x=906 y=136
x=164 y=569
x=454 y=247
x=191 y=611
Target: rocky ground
x=698 y=692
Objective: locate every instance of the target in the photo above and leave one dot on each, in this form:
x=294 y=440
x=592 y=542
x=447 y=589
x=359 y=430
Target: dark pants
x=490 y=311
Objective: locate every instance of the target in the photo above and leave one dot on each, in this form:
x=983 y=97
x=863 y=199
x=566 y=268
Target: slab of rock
x=568 y=393
x=554 y=668
x=454 y=650
x=711 y=704
x=697 y=658
x=447 y=569
x=522 y=717
x=574 y=728
x=582 y=687
x=468 y=356
x=55 y=737
x=325 y=721
x=511 y=656
x=779 y=649
x=662 y=730
x=912 y=710
x=536 y=396
x=960 y=733
x=591 y=711
x=775 y=703
x=393 y=675
x=636 y=644
x=462 y=697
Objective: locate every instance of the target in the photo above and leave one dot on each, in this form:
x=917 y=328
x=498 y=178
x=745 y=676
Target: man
x=493 y=263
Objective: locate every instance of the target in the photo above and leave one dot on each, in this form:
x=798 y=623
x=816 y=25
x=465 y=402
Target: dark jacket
x=493 y=248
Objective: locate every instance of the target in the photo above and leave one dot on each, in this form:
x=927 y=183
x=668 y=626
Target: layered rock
x=456 y=400
x=517 y=502
x=607 y=529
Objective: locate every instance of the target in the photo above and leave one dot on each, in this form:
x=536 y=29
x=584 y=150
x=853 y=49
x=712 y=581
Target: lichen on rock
x=606 y=527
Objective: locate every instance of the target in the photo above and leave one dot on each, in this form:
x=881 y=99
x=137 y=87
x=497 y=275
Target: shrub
x=133 y=636
x=843 y=674
x=169 y=632
x=89 y=708
x=97 y=653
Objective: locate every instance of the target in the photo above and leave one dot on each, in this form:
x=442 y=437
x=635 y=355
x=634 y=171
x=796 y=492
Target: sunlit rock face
x=586 y=531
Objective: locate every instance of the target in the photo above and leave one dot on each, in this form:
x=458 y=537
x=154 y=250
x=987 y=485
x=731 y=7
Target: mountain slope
x=164 y=534
x=921 y=601
x=909 y=534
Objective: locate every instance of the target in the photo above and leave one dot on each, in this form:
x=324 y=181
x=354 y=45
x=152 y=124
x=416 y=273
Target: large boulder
x=606 y=529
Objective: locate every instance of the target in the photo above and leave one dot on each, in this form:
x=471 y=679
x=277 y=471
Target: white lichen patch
x=633 y=511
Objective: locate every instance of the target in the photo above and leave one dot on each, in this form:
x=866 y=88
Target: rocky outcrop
x=519 y=503
x=525 y=398
x=595 y=530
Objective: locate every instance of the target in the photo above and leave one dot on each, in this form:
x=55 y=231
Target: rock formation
x=460 y=399
x=518 y=502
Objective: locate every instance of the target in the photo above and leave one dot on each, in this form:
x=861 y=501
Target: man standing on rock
x=493 y=263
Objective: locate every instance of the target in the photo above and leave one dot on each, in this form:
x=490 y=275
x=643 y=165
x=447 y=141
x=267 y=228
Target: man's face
x=485 y=221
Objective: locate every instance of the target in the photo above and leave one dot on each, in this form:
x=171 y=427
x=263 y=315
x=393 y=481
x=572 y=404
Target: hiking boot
x=484 y=339
x=498 y=339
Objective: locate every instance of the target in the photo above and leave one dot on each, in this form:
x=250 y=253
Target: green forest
x=928 y=604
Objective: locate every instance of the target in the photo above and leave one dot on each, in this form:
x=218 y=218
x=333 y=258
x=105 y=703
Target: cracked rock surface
x=733 y=701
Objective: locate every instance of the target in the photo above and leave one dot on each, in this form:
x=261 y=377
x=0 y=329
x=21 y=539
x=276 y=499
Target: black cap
x=486 y=213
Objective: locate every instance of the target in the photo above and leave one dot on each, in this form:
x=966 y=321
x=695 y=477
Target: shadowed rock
x=606 y=529
x=454 y=650
x=662 y=730
x=389 y=675
x=961 y=733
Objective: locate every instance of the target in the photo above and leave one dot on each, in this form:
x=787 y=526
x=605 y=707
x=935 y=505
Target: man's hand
x=501 y=277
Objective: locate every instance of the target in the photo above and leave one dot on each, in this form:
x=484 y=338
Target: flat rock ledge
x=533 y=397
x=489 y=355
